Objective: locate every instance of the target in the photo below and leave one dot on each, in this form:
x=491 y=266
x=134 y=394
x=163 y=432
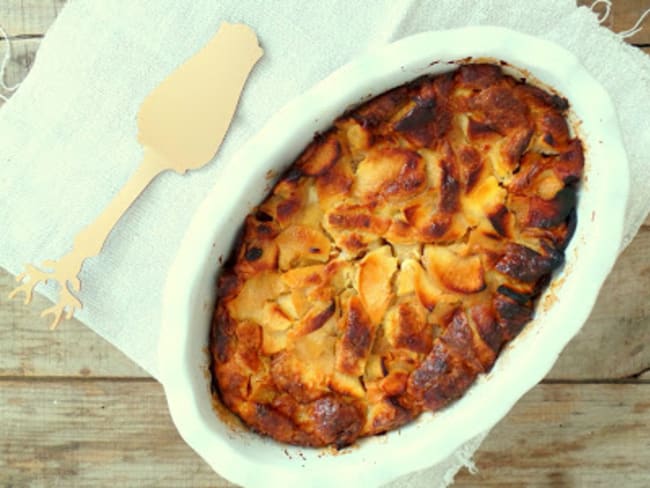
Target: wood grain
x=623 y=15
x=95 y=433
x=29 y=348
x=615 y=342
x=559 y=436
x=76 y=412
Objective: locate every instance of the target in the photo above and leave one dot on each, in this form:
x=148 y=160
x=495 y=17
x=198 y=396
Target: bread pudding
x=394 y=259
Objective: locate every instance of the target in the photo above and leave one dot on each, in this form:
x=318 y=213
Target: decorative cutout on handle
x=181 y=125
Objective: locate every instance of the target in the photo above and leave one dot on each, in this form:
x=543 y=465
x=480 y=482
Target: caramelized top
x=394 y=259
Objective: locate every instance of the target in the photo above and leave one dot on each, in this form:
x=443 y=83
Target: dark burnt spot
x=418 y=117
x=571 y=224
x=520 y=298
x=459 y=337
x=449 y=189
x=458 y=333
x=269 y=421
x=570 y=163
x=320 y=156
x=426 y=122
x=476 y=129
x=487 y=326
x=549 y=213
x=391 y=417
x=499 y=219
x=317 y=321
x=262 y=216
x=264 y=230
x=444 y=84
x=223 y=332
x=287 y=208
x=554 y=125
x=293 y=174
x=548 y=139
x=440 y=378
x=411 y=213
x=471 y=166
x=336 y=421
x=516 y=145
x=525 y=264
x=384 y=367
x=233 y=386
x=415 y=125
x=437 y=227
x=435 y=365
x=501 y=109
x=350 y=221
x=354 y=241
x=314 y=250
x=381 y=108
x=253 y=254
x=541 y=98
x=227 y=284
x=357 y=335
x=335 y=181
x=512 y=316
x=411 y=178
x=478 y=76
x=414 y=334
x=553 y=254
x=559 y=103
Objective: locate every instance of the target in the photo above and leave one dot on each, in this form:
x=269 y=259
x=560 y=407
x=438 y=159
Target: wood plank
x=29 y=348
x=95 y=433
x=623 y=15
x=569 y=435
x=615 y=341
x=28 y=18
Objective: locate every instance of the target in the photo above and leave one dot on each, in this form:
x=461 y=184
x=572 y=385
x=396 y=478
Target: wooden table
x=74 y=411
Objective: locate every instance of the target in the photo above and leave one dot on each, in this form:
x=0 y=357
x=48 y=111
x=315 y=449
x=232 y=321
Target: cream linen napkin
x=67 y=137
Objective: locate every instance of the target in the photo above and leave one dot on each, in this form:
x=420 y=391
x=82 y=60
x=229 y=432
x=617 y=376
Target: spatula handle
x=90 y=240
x=87 y=243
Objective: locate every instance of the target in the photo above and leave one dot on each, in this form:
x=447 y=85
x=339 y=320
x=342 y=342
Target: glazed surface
x=394 y=259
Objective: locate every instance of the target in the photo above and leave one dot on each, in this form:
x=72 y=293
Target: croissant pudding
x=400 y=252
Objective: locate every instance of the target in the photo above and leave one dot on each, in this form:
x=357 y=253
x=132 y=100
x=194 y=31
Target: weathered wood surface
x=94 y=432
x=569 y=436
x=76 y=412
x=615 y=342
x=29 y=349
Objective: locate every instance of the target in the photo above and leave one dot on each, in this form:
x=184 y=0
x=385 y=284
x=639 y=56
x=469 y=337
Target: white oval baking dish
x=246 y=458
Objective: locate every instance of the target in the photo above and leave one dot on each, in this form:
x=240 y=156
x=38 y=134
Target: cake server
x=181 y=124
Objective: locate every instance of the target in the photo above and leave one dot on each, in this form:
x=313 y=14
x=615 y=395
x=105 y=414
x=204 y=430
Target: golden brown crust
x=394 y=259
